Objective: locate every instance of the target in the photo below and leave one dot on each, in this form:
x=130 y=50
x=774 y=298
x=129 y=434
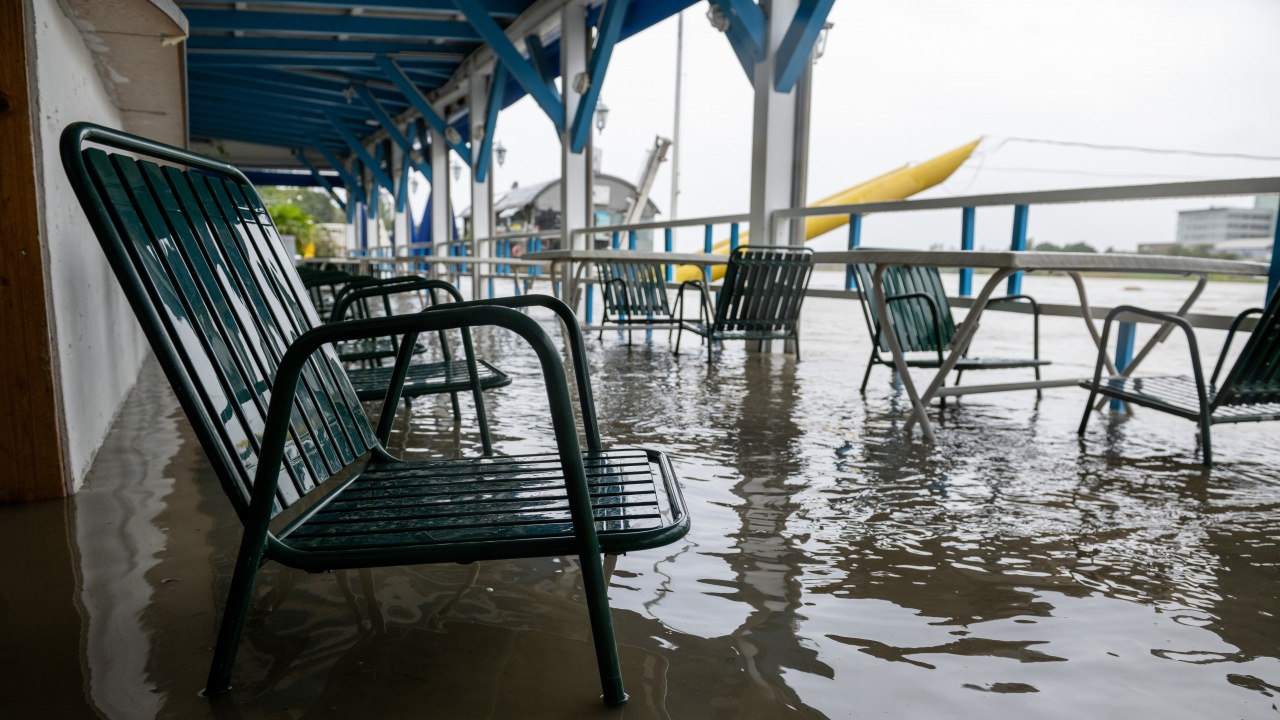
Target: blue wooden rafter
x=218 y=20
x=419 y=101
x=402 y=192
x=353 y=142
x=393 y=132
x=323 y=182
x=606 y=37
x=497 y=88
x=797 y=44
x=353 y=185
x=375 y=169
x=541 y=60
x=746 y=31
x=521 y=69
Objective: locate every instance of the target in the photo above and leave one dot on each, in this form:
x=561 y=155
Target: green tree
x=292 y=220
x=315 y=202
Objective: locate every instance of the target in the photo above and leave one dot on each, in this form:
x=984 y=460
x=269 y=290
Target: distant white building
x=1218 y=225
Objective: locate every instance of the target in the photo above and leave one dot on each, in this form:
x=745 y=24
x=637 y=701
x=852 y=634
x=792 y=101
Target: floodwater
x=835 y=568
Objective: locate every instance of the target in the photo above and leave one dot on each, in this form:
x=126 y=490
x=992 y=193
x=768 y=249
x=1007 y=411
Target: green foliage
x=313 y=201
x=292 y=220
x=1195 y=251
x=1077 y=247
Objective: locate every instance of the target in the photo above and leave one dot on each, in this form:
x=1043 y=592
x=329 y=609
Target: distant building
x=1217 y=225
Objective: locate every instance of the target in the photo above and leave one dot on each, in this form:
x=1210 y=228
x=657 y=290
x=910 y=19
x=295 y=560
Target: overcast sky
x=907 y=80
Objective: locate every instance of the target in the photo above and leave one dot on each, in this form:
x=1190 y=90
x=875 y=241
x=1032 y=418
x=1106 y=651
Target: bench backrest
x=642 y=292
x=763 y=288
x=1255 y=378
x=219 y=299
x=913 y=321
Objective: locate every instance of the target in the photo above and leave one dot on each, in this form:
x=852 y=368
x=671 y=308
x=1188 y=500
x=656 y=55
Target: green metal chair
x=1249 y=393
x=760 y=297
x=634 y=294
x=310 y=478
x=921 y=316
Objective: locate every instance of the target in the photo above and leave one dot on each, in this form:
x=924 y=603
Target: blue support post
x=631 y=240
x=354 y=143
x=706 y=248
x=419 y=102
x=524 y=73
x=733 y=237
x=1125 y=341
x=797 y=44
x=349 y=180
x=968 y=217
x=855 y=239
x=666 y=246
x=614 y=243
x=393 y=132
x=1019 y=243
x=1273 y=275
x=607 y=32
x=590 y=300
x=497 y=88
x=302 y=158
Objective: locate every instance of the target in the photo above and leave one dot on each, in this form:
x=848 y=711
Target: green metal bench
x=921 y=315
x=252 y=365
x=760 y=297
x=1250 y=392
x=634 y=294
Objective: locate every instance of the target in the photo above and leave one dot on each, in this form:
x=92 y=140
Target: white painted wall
x=98 y=344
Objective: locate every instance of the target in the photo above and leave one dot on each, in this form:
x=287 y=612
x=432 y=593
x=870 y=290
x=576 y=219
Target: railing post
x=666 y=245
x=1019 y=243
x=1125 y=340
x=615 y=244
x=631 y=240
x=733 y=237
x=706 y=248
x=967 y=218
x=855 y=239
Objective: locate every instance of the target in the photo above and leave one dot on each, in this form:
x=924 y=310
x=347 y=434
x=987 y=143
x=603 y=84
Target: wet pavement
x=834 y=569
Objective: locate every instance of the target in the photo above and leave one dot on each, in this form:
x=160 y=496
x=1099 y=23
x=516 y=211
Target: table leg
x=964 y=335
x=899 y=362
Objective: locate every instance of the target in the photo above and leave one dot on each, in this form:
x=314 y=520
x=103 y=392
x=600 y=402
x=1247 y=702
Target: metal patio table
x=1004 y=264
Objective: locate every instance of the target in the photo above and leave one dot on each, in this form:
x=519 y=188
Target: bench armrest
x=1035 y=314
x=704 y=308
x=1181 y=322
x=1226 y=345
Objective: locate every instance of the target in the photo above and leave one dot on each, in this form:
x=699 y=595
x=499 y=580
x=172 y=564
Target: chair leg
x=234 y=614
x=1204 y=441
x=867 y=375
x=1039 y=391
x=457 y=409
x=1088 y=410
x=679 y=335
x=602 y=630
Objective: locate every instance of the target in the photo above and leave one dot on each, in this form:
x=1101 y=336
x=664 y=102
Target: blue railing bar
x=1019 y=242
x=614 y=242
x=662 y=225
x=707 y=247
x=733 y=237
x=855 y=239
x=968 y=218
x=631 y=240
x=1125 y=341
x=666 y=245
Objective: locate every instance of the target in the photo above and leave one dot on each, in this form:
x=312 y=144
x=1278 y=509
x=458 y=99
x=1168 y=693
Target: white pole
x=675 y=132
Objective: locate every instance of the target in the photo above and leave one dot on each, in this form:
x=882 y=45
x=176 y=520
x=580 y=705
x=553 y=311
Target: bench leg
x=1204 y=441
x=233 y=616
x=1088 y=410
x=593 y=581
x=867 y=375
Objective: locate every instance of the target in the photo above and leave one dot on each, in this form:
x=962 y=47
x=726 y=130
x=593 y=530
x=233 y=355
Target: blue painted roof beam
x=497 y=88
x=294 y=23
x=419 y=101
x=268 y=100
x=322 y=180
x=393 y=132
x=541 y=60
x=202 y=45
x=353 y=142
x=353 y=185
x=496 y=8
x=797 y=44
x=417 y=132
x=746 y=32
x=606 y=38
x=329 y=61
x=522 y=70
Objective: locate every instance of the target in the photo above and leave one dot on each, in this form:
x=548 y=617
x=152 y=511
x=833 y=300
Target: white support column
x=775 y=167
x=575 y=169
x=441 y=229
x=481 y=192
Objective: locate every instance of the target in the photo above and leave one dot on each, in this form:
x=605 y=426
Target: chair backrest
x=219 y=299
x=642 y=292
x=913 y=320
x=764 y=288
x=1255 y=378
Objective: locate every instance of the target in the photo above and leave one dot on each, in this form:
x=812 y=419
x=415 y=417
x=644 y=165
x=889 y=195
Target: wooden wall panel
x=32 y=464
